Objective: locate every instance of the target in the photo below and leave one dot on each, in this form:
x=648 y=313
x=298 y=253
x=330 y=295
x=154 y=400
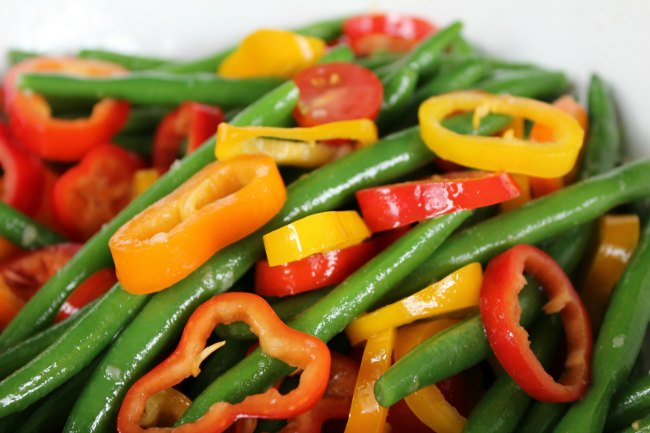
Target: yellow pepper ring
x=294 y=146
x=547 y=160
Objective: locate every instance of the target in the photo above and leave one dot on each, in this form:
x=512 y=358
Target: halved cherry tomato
x=192 y=121
x=61 y=139
x=92 y=288
x=337 y=91
x=377 y=33
x=93 y=192
x=24 y=175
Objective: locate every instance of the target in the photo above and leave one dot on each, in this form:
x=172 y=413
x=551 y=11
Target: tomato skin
x=91 y=193
x=376 y=33
x=337 y=91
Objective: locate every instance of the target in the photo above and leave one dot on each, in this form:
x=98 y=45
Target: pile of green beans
x=73 y=375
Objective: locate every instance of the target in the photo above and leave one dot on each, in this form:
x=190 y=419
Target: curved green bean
x=23 y=231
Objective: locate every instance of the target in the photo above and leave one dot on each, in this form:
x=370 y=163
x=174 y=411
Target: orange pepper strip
x=543 y=134
x=366 y=414
x=276 y=340
x=428 y=404
x=222 y=203
x=618 y=236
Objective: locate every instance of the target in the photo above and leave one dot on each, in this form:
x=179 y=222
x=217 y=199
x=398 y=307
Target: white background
x=579 y=36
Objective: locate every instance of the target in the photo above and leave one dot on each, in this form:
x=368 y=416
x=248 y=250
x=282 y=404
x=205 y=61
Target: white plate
x=578 y=36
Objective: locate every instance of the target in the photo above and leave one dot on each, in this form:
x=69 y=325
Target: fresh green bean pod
x=143 y=119
x=530 y=83
x=17 y=356
x=153 y=88
x=326 y=29
x=70 y=353
x=398 y=91
x=641 y=425
x=379 y=60
x=334 y=312
x=16 y=56
x=339 y=53
x=128 y=61
x=542 y=417
x=630 y=404
x=286 y=309
x=23 y=231
x=503 y=405
x=273 y=109
x=164 y=317
x=618 y=343
x=142 y=144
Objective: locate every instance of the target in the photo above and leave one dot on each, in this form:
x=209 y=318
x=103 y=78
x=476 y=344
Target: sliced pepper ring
x=31 y=118
x=317 y=233
x=500 y=312
x=174 y=236
x=509 y=154
x=300 y=147
x=276 y=339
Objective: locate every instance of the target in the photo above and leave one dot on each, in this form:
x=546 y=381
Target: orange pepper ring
x=222 y=203
x=107 y=116
x=276 y=339
x=494 y=153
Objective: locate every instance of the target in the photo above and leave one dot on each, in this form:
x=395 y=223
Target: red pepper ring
x=276 y=339
x=62 y=139
x=500 y=312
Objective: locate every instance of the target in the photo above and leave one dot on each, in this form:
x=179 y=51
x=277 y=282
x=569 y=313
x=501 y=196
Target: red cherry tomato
x=395 y=33
x=94 y=191
x=337 y=91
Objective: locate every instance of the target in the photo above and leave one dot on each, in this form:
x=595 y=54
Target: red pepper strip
x=318 y=270
x=392 y=206
x=24 y=175
x=395 y=33
x=276 y=339
x=92 y=288
x=192 y=121
x=62 y=139
x=95 y=190
x=500 y=312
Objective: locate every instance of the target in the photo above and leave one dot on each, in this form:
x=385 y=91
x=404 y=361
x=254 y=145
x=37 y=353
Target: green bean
x=340 y=53
x=153 y=88
x=333 y=313
x=379 y=60
x=286 y=309
x=162 y=320
x=631 y=403
x=16 y=56
x=639 y=426
x=144 y=119
x=140 y=143
x=273 y=109
x=618 y=343
x=397 y=93
x=531 y=83
x=327 y=30
x=462 y=46
x=17 y=356
x=70 y=353
x=23 y=231
x=233 y=352
x=128 y=61
x=503 y=405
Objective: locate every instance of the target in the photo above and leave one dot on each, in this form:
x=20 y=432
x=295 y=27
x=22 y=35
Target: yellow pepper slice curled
x=318 y=233
x=457 y=291
x=510 y=154
x=366 y=414
x=298 y=147
x=143 y=179
x=428 y=403
x=618 y=236
x=272 y=53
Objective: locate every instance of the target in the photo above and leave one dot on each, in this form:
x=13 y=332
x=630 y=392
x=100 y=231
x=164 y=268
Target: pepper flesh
x=317 y=233
x=508 y=154
x=276 y=340
x=429 y=404
x=272 y=53
x=174 y=236
x=500 y=311
x=618 y=236
x=62 y=139
x=301 y=147
x=366 y=414
x=457 y=291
